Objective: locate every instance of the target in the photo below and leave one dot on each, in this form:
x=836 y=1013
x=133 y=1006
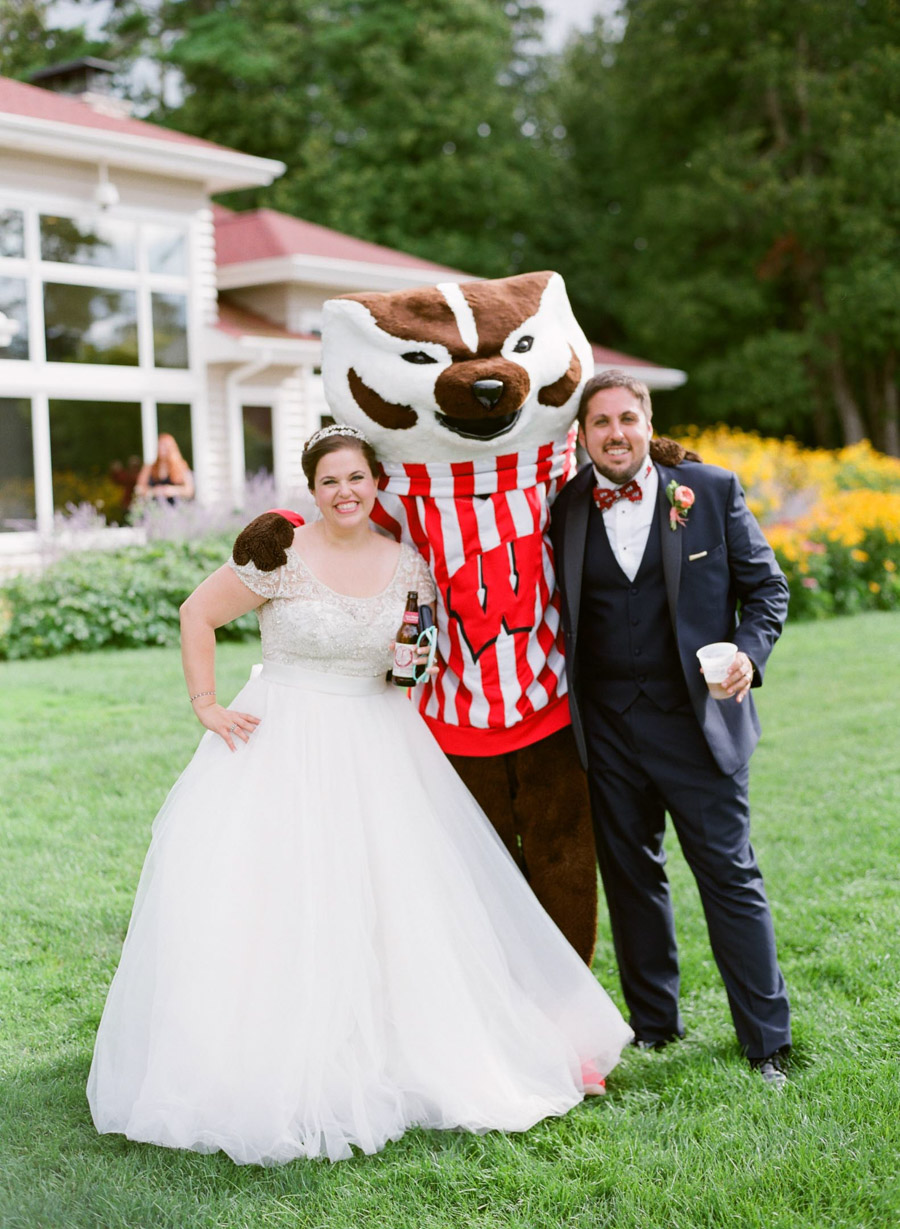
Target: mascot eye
x=418 y=356
x=523 y=345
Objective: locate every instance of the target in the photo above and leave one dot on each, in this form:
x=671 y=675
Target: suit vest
x=625 y=643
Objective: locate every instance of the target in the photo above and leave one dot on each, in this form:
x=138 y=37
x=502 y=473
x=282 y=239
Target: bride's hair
x=332 y=439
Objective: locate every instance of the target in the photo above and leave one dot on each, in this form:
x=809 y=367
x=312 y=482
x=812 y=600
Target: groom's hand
x=739 y=677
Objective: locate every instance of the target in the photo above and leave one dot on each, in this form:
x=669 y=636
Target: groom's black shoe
x=772 y=1068
x=652 y=1043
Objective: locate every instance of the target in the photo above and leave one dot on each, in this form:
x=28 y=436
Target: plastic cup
x=715 y=660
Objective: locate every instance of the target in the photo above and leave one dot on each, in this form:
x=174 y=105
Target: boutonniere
x=682 y=500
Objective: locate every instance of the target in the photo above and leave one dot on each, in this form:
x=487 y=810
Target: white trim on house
x=291 y=392
x=226 y=348
x=218 y=170
x=331 y=274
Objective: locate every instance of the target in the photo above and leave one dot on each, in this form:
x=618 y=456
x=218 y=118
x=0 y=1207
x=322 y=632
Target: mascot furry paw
x=265 y=541
x=468 y=394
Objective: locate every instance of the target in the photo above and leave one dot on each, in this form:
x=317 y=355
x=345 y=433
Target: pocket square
x=699 y=555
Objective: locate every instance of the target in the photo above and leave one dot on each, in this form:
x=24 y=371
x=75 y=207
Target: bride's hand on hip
x=228 y=723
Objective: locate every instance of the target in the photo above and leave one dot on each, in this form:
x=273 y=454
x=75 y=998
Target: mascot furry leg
x=537 y=799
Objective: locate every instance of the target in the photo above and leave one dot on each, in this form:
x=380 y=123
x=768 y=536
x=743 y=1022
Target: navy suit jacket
x=722 y=582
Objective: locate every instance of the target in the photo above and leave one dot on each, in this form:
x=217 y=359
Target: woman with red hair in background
x=169 y=477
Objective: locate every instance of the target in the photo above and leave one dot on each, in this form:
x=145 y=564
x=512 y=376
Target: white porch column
x=149 y=429
x=43 y=470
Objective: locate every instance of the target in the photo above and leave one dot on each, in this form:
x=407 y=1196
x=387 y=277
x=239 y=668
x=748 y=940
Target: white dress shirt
x=628 y=523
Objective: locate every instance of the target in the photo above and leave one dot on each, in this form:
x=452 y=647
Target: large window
x=84 y=324
x=13 y=304
x=12 y=232
x=107 y=290
x=113 y=290
x=16 y=466
x=100 y=242
x=93 y=445
x=258 y=448
x=166 y=250
x=175 y=420
x=169 y=330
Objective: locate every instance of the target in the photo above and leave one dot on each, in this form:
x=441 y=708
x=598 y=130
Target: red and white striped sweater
x=481 y=526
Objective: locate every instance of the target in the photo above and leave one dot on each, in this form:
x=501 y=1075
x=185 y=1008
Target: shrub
x=832 y=518
x=843 y=556
x=122 y=599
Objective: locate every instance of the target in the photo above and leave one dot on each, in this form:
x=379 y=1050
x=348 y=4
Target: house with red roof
x=131 y=305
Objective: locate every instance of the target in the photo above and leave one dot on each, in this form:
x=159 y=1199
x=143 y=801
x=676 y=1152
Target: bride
x=329 y=942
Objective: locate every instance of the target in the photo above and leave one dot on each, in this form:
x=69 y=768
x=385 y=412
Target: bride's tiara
x=336 y=428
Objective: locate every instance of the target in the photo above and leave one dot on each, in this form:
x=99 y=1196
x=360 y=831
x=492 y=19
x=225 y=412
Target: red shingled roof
x=264 y=234
x=615 y=358
x=17 y=98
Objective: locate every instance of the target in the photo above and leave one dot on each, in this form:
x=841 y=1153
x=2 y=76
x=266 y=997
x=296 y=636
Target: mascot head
x=456 y=372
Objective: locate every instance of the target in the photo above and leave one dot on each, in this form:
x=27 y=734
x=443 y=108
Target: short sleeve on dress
x=423 y=582
x=263 y=584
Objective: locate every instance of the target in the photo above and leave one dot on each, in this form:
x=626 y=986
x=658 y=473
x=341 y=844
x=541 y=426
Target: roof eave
x=337 y=275
x=219 y=170
x=226 y=347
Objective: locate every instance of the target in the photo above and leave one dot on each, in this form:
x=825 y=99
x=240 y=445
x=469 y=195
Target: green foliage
x=399 y=123
x=742 y=163
x=717 y=182
x=684 y=1139
x=834 y=578
x=117 y=599
x=30 y=40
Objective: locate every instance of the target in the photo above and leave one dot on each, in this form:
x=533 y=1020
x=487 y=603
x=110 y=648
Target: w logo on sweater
x=497 y=591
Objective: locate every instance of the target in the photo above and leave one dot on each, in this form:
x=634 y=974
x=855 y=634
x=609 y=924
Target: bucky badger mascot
x=468 y=394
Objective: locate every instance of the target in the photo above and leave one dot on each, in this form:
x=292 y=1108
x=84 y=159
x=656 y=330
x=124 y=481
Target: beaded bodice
x=305 y=623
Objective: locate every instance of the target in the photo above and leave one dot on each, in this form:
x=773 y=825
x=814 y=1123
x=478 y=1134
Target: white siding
x=296 y=420
x=270 y=302
x=216 y=444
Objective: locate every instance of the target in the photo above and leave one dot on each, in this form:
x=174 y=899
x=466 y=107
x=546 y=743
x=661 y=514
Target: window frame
x=39 y=381
x=36 y=271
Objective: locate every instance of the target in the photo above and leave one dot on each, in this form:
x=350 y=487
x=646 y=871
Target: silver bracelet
x=201 y=693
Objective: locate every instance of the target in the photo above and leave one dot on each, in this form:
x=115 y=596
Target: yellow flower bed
x=848 y=515
x=782 y=479
x=832 y=518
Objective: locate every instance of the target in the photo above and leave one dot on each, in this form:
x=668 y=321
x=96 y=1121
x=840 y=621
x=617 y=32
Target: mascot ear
x=669 y=452
x=264 y=541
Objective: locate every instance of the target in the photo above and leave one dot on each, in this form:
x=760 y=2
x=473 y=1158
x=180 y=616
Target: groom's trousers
x=641 y=764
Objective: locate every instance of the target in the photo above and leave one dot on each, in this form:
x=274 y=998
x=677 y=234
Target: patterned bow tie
x=605 y=497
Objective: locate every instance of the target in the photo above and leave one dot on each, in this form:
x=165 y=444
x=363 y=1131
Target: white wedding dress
x=329 y=943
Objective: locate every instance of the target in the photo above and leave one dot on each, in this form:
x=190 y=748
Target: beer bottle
x=403 y=671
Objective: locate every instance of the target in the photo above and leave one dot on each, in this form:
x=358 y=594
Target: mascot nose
x=488 y=392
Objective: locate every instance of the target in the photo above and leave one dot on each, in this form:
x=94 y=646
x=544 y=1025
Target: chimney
x=89 y=80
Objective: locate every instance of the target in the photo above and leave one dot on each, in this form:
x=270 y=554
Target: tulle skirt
x=331 y=944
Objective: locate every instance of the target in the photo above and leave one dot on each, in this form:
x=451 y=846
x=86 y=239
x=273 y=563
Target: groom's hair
x=613 y=378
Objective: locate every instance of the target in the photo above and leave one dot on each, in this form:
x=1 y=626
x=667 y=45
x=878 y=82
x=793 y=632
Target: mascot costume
x=468 y=394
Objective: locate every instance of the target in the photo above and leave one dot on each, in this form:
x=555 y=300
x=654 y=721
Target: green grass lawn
x=685 y=1138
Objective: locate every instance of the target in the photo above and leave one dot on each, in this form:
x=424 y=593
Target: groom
x=645 y=583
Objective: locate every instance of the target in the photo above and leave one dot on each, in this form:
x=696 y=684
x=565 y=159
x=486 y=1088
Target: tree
x=747 y=203
x=29 y=40
x=407 y=124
